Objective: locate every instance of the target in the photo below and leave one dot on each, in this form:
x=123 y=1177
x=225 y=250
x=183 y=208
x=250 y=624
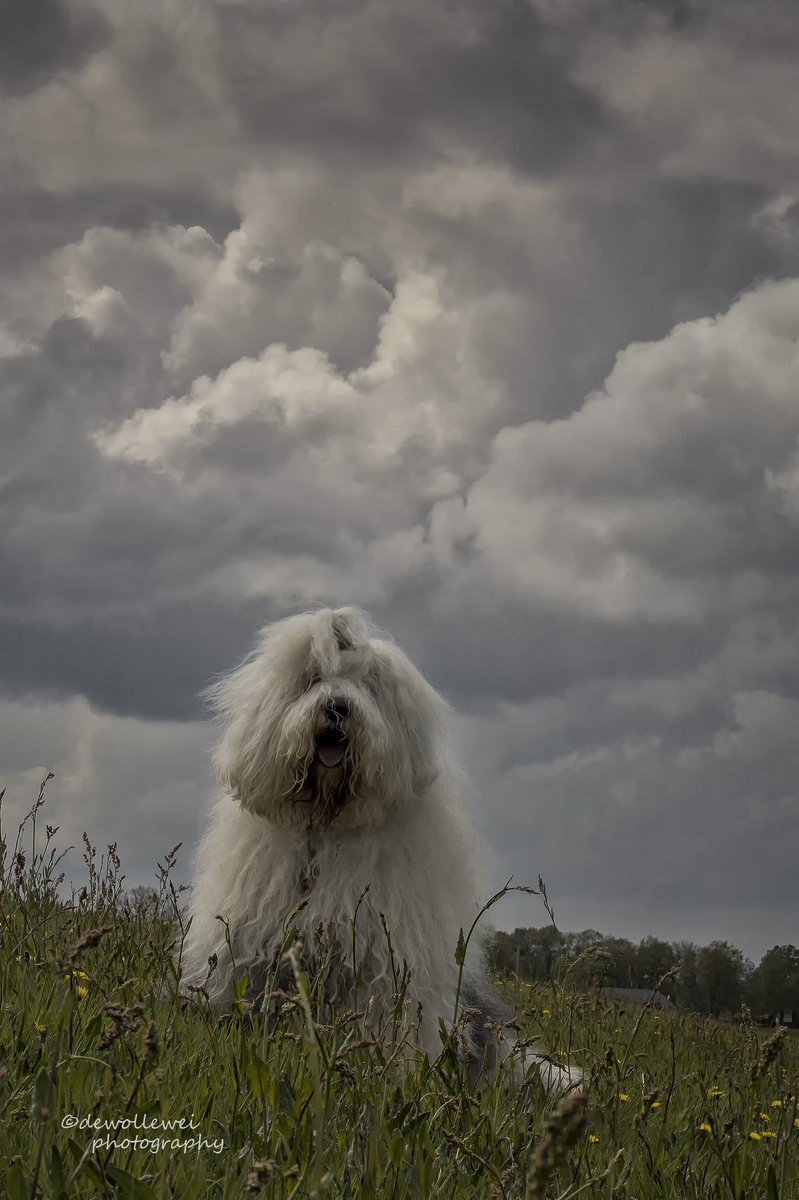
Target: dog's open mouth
x=331 y=747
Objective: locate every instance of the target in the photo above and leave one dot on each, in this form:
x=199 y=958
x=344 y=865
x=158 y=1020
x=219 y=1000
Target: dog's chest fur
x=310 y=868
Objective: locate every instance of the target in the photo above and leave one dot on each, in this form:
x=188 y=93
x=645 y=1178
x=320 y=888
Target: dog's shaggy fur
x=336 y=778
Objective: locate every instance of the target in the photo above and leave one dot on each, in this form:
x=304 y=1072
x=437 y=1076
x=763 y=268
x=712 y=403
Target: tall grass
x=99 y=1046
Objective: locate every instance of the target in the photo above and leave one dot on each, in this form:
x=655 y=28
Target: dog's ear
x=417 y=710
x=239 y=700
x=242 y=772
x=234 y=770
x=229 y=778
x=425 y=777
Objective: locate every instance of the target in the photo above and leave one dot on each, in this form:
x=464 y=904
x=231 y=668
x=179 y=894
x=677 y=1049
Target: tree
x=721 y=972
x=653 y=959
x=616 y=962
x=686 y=990
x=142 y=899
x=502 y=952
x=774 y=984
x=540 y=952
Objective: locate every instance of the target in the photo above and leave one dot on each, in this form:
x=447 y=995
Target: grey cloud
x=489 y=77
x=692 y=100
x=704 y=844
x=114 y=664
x=536 y=650
x=326 y=300
x=624 y=265
x=325 y=304
x=107 y=769
x=38 y=221
x=43 y=37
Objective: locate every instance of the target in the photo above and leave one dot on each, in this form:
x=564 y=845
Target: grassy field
x=97 y=1066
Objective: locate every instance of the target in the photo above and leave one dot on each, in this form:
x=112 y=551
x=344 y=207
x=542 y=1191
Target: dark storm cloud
x=376 y=80
x=660 y=252
x=115 y=665
x=49 y=394
x=37 y=221
x=476 y=662
x=42 y=37
x=740 y=814
x=381 y=302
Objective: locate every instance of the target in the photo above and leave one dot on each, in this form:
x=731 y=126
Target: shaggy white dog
x=336 y=778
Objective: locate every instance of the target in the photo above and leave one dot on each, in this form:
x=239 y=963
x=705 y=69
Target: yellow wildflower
x=765 y=1116
x=75 y=980
x=768 y=1133
x=593 y=1139
x=776 y=1103
x=656 y=1104
x=623 y=1096
x=714 y=1091
x=756 y=1137
x=707 y=1128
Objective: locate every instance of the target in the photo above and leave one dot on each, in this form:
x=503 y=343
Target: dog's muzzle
x=331 y=737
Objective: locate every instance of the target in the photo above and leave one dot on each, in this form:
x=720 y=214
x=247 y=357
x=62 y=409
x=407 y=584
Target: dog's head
x=326 y=721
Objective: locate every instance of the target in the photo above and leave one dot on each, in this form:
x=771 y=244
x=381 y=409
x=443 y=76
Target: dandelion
x=796 y=1122
x=707 y=1128
x=765 y=1116
x=776 y=1103
x=656 y=1104
x=623 y=1096
x=768 y=1133
x=75 y=979
x=546 y=1012
x=755 y=1136
x=714 y=1091
x=593 y=1139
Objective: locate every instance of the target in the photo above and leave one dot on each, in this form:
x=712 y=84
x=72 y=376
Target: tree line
x=712 y=979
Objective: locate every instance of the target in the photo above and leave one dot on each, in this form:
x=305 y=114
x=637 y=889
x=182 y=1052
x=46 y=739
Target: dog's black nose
x=338 y=708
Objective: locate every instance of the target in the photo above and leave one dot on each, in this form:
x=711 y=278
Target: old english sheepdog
x=339 y=794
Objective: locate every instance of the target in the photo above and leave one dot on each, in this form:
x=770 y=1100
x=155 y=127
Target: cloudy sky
x=482 y=314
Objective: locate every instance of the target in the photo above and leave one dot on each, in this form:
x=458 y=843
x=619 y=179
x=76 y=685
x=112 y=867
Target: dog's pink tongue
x=330 y=755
